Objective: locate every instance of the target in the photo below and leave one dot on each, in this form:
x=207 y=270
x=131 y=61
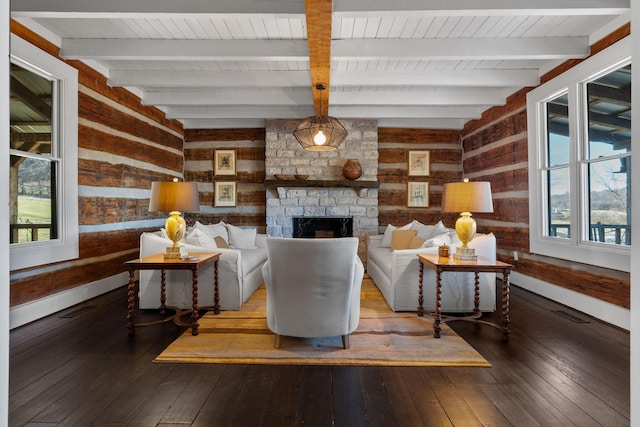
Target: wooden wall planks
x=123 y=147
x=496 y=149
x=143 y=134
x=249 y=144
x=445 y=164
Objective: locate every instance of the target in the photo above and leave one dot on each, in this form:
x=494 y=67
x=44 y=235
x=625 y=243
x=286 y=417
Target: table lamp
x=466 y=197
x=174 y=197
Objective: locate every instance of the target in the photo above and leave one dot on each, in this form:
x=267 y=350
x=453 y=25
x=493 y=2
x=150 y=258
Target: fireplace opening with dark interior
x=322 y=227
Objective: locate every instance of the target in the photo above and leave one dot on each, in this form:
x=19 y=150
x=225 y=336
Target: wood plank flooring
x=86 y=371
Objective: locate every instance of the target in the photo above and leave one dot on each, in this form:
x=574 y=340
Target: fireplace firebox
x=322 y=227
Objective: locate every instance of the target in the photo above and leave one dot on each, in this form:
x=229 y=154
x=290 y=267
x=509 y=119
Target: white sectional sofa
x=239 y=267
x=395 y=273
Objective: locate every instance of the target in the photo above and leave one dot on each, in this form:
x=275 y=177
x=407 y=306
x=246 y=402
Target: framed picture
x=418 y=163
x=417 y=194
x=224 y=162
x=224 y=193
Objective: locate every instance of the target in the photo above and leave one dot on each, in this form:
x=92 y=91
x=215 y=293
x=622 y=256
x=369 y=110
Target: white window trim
x=65 y=247
x=575 y=248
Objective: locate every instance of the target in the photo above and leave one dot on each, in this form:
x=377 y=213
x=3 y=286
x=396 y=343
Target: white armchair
x=313 y=287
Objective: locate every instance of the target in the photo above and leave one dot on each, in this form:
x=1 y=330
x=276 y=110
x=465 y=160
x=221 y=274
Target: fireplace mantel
x=269 y=183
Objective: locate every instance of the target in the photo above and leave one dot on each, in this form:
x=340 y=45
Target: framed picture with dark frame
x=418 y=163
x=417 y=194
x=224 y=193
x=224 y=162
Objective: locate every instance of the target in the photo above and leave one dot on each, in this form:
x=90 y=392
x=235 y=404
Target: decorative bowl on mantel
x=281 y=176
x=300 y=177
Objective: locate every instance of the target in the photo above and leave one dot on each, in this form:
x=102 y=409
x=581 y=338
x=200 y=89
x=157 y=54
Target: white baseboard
x=607 y=312
x=34 y=310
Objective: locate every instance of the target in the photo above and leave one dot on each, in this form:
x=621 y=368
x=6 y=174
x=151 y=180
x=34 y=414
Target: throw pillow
x=439 y=229
x=416 y=243
x=453 y=235
x=213 y=230
x=424 y=231
x=386 y=239
x=163 y=231
x=200 y=238
x=400 y=239
x=220 y=242
x=443 y=239
x=241 y=238
x=427 y=232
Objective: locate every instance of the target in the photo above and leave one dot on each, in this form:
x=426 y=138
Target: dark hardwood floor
x=85 y=371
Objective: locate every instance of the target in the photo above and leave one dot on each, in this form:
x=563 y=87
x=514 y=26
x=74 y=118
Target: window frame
x=577 y=247
x=65 y=139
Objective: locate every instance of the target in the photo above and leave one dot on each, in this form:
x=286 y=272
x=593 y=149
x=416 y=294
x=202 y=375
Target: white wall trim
x=607 y=312
x=4 y=213
x=34 y=310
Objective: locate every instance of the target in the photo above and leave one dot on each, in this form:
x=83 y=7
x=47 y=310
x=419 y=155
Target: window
x=579 y=161
x=43 y=160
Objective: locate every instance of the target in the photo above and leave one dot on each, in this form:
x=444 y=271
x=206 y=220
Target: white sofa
x=239 y=272
x=395 y=273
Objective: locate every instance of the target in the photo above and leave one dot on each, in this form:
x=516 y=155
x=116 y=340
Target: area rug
x=383 y=338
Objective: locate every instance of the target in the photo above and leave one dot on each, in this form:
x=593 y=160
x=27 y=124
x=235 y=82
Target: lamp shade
x=467 y=197
x=320 y=133
x=174 y=196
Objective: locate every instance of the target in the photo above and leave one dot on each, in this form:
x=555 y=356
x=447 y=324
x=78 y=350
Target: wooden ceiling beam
x=318 y=13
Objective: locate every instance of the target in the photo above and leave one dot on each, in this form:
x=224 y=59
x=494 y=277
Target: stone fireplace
x=283 y=155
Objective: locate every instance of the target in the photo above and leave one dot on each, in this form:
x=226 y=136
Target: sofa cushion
x=400 y=239
x=252 y=259
x=443 y=239
x=427 y=232
x=200 y=238
x=386 y=239
x=241 y=238
x=382 y=258
x=213 y=230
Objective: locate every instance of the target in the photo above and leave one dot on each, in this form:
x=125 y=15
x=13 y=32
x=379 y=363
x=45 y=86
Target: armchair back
x=313 y=286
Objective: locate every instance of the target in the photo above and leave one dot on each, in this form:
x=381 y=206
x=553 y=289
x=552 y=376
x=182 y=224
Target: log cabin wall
x=123 y=146
x=496 y=150
x=445 y=165
x=249 y=144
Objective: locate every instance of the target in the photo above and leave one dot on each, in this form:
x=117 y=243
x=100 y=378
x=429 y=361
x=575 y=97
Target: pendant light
x=320 y=133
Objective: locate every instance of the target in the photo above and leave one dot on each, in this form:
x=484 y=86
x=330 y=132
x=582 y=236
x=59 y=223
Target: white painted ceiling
x=408 y=63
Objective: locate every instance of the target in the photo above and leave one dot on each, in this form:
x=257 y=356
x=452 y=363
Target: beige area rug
x=383 y=338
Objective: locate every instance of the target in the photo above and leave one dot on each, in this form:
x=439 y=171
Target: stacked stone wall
x=285 y=156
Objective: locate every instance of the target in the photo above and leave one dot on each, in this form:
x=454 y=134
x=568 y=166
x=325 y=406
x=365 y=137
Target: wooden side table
x=481 y=265
x=158 y=262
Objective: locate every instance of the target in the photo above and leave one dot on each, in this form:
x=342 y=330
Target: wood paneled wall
x=496 y=150
x=200 y=146
x=445 y=165
x=123 y=146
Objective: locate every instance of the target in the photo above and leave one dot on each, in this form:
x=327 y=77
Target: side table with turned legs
x=481 y=265
x=157 y=262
